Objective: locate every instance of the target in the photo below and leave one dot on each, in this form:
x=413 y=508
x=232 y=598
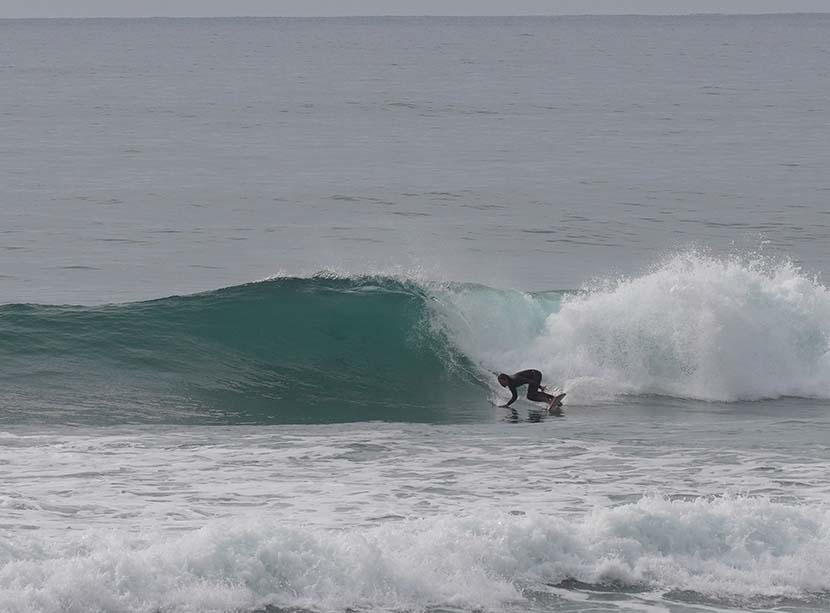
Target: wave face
x=731 y=551
x=326 y=349
x=283 y=350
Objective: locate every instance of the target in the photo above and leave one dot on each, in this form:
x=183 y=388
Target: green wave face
x=281 y=351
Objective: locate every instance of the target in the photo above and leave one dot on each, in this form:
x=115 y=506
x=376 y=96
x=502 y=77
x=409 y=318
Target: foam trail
x=696 y=327
x=733 y=549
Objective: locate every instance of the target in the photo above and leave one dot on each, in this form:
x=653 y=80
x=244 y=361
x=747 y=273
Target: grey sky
x=200 y=8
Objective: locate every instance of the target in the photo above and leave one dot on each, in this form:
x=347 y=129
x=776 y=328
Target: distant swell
x=324 y=349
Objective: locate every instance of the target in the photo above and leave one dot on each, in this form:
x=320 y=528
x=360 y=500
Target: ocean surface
x=257 y=275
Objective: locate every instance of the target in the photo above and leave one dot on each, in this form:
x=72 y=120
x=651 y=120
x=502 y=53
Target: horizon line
x=421 y=16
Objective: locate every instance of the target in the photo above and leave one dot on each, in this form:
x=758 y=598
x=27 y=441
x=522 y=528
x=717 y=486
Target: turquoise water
x=281 y=351
x=258 y=276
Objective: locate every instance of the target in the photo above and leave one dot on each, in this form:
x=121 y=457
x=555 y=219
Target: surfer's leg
x=535 y=376
x=538 y=396
x=533 y=392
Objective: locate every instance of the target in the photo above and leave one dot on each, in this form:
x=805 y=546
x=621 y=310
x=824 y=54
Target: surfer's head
x=504 y=379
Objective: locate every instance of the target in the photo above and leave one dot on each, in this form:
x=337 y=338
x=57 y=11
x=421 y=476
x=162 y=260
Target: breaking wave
x=334 y=349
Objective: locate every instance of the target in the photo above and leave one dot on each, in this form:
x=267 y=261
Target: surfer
x=535 y=389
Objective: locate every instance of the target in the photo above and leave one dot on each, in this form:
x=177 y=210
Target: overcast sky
x=212 y=8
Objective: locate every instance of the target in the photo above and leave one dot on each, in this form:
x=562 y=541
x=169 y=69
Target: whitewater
x=258 y=276
x=412 y=517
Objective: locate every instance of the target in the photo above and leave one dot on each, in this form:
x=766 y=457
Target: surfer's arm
x=513 y=399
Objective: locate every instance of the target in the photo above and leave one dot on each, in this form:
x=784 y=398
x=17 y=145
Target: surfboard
x=556 y=402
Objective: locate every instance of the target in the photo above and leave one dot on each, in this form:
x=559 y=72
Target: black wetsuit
x=531 y=378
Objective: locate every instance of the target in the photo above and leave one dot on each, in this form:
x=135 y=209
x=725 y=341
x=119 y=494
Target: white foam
x=695 y=327
x=736 y=548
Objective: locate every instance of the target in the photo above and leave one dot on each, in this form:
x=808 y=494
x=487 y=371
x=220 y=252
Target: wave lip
x=736 y=551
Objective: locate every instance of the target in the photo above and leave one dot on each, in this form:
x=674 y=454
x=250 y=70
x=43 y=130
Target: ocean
x=258 y=276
